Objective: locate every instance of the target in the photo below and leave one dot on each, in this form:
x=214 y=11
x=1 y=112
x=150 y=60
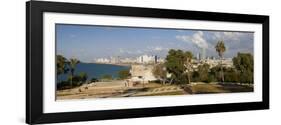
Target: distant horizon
x=89 y=42
x=94 y=61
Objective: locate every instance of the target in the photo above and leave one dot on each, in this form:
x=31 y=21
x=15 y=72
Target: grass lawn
x=166 y=93
x=150 y=89
x=219 y=88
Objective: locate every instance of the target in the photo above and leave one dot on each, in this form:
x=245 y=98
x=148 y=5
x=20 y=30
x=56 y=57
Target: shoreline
x=127 y=65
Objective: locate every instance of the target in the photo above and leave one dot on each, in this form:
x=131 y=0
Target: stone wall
x=143 y=72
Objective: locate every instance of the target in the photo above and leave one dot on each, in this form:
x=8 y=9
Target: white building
x=227 y=62
x=114 y=60
x=102 y=60
x=128 y=60
x=145 y=59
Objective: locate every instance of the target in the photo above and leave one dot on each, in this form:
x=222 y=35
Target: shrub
x=94 y=80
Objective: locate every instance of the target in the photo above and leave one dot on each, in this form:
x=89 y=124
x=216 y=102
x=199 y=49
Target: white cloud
x=231 y=36
x=158 y=48
x=197 y=38
x=155 y=48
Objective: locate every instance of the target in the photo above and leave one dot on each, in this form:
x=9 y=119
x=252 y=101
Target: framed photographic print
x=95 y=62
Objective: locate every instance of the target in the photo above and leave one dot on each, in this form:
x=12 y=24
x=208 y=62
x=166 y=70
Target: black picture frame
x=34 y=61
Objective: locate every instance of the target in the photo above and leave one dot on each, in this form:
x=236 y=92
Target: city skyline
x=88 y=43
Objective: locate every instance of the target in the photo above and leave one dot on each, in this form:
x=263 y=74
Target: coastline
x=127 y=65
x=96 y=70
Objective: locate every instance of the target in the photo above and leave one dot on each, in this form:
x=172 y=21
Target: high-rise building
x=198 y=56
x=203 y=53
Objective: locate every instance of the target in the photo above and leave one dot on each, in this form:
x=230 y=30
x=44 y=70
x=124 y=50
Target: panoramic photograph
x=94 y=62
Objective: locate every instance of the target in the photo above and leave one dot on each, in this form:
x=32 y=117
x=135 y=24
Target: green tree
x=188 y=64
x=215 y=72
x=61 y=65
x=106 y=76
x=94 y=79
x=124 y=74
x=176 y=64
x=83 y=77
x=220 y=48
x=74 y=80
x=244 y=63
x=203 y=71
x=160 y=72
x=72 y=64
x=231 y=75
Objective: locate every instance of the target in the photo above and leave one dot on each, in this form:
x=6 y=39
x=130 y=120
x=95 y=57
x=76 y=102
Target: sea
x=95 y=70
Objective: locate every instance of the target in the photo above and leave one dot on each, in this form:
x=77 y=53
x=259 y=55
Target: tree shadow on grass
x=136 y=90
x=232 y=88
x=187 y=89
x=216 y=88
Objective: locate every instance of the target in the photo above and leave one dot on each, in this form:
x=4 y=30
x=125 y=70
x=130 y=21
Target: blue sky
x=88 y=42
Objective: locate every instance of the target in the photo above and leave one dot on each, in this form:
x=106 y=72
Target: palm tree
x=72 y=64
x=220 y=48
x=188 y=64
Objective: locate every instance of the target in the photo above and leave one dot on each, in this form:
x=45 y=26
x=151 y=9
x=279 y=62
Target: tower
x=203 y=53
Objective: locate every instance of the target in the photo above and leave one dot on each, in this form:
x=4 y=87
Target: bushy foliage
x=244 y=63
x=94 y=80
x=207 y=74
x=176 y=65
x=64 y=66
x=160 y=72
x=203 y=71
x=231 y=75
x=83 y=77
x=77 y=80
x=107 y=77
x=124 y=74
x=63 y=85
x=61 y=65
x=203 y=74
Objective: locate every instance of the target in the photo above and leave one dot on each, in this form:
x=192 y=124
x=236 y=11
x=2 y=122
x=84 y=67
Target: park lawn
x=207 y=88
x=63 y=94
x=150 y=89
x=166 y=93
x=219 y=88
